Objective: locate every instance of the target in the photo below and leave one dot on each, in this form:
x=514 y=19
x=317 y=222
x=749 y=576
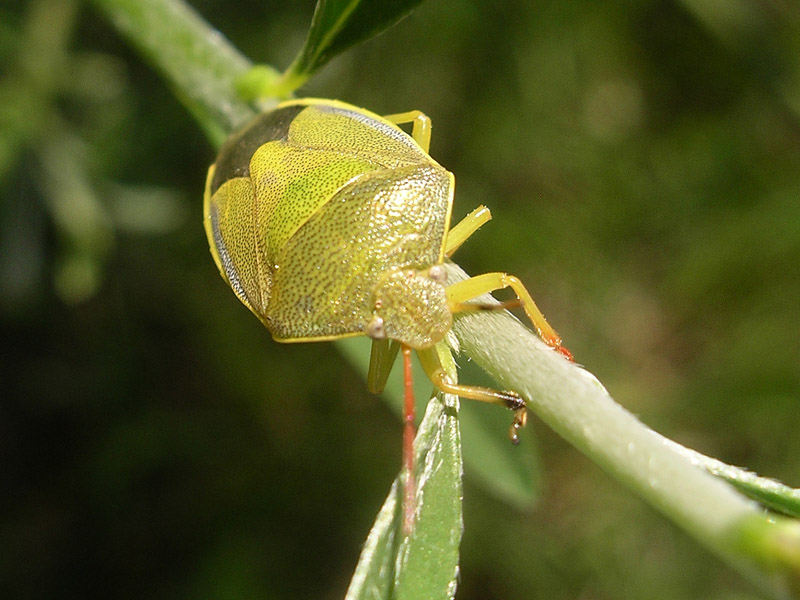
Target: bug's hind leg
x=459 y=294
x=421 y=126
x=409 y=433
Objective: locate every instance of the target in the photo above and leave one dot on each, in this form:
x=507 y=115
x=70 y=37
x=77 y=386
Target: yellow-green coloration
x=328 y=199
x=330 y=221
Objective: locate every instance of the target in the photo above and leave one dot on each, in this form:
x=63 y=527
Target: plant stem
x=574 y=403
x=200 y=64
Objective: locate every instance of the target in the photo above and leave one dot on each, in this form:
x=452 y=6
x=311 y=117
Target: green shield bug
x=330 y=221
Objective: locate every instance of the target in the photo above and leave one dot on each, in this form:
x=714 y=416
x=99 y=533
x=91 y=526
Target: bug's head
x=410 y=306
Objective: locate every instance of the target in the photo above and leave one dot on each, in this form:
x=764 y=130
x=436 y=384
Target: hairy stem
x=574 y=403
x=199 y=63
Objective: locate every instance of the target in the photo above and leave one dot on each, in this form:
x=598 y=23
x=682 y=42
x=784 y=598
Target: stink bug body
x=330 y=221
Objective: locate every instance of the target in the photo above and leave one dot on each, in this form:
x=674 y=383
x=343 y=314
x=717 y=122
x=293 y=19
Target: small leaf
x=773 y=494
x=425 y=564
x=339 y=24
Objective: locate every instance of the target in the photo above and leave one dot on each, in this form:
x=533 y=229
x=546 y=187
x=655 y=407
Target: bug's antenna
x=409 y=416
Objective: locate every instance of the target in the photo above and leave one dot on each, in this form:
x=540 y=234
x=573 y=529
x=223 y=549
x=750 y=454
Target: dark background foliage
x=642 y=161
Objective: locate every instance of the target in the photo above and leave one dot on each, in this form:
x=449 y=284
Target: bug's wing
x=291 y=184
x=358 y=133
x=326 y=272
x=324 y=148
x=230 y=224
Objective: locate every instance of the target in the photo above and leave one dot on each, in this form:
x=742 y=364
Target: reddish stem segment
x=409 y=417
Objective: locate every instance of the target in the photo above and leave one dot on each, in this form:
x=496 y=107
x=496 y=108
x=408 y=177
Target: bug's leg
x=409 y=432
x=381 y=360
x=465 y=228
x=511 y=400
x=458 y=295
x=421 y=126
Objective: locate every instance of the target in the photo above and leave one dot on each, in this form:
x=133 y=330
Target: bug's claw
x=520 y=419
x=513 y=433
x=555 y=343
x=564 y=352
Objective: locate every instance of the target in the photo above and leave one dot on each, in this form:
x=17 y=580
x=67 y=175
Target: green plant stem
x=574 y=403
x=200 y=64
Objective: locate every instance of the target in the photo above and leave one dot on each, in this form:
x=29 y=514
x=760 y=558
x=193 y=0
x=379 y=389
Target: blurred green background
x=642 y=162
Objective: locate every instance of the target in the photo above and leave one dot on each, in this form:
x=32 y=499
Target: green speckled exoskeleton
x=330 y=221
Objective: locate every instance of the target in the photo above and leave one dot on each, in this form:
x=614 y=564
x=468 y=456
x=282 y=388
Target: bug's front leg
x=459 y=294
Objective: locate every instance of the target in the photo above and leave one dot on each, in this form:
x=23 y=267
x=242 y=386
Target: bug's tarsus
x=563 y=352
x=516 y=403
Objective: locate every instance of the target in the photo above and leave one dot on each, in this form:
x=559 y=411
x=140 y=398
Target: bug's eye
x=438 y=274
x=375 y=328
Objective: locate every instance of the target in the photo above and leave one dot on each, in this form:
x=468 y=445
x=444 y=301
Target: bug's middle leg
x=430 y=362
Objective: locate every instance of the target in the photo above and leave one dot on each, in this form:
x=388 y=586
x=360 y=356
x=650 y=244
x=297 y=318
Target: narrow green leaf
x=773 y=494
x=339 y=24
x=424 y=564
